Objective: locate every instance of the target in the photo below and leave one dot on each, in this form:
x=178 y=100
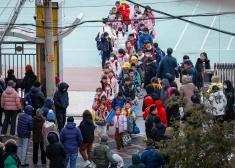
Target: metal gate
x=226 y=71
x=16 y=55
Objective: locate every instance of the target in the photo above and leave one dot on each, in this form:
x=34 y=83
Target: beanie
x=37 y=84
x=28 y=68
x=39 y=112
x=50 y=115
x=11 y=83
x=57 y=80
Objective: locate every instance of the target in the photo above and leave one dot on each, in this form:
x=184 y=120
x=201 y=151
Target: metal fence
x=226 y=71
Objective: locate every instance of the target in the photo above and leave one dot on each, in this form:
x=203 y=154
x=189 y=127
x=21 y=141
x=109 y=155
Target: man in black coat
x=150 y=92
x=150 y=71
x=61 y=101
x=36 y=96
x=149 y=122
x=158 y=131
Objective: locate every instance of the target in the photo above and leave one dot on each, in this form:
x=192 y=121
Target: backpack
x=27 y=99
x=98 y=40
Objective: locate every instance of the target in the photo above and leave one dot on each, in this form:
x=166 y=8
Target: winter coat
x=171 y=80
x=118 y=102
x=120 y=41
x=61 y=98
x=102 y=154
x=1 y=153
x=71 y=138
x=121 y=125
x=37 y=98
x=158 y=132
x=97 y=100
x=10 y=99
x=125 y=12
x=10 y=160
x=164 y=91
x=55 y=151
x=87 y=128
x=199 y=65
x=129 y=91
x=115 y=67
x=149 y=123
x=187 y=89
x=25 y=123
x=152 y=17
x=148 y=23
x=134 y=16
x=28 y=81
x=143 y=38
x=215 y=81
x=194 y=74
x=167 y=65
x=11 y=77
x=217 y=103
x=172 y=114
x=229 y=93
x=128 y=112
x=136 y=161
x=123 y=59
x=47 y=106
x=150 y=92
x=148 y=102
x=46 y=128
x=37 y=130
x=151 y=158
x=161 y=112
x=150 y=72
x=108 y=29
x=114 y=85
x=107 y=46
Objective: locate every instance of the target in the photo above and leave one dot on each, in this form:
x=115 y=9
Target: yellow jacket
x=219 y=84
x=129 y=111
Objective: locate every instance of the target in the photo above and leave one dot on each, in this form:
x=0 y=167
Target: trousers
x=61 y=117
x=72 y=158
x=35 y=152
x=23 y=144
x=10 y=116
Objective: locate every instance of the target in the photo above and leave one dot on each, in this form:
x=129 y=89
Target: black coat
x=47 y=106
x=129 y=91
x=1 y=153
x=55 y=151
x=61 y=98
x=158 y=132
x=172 y=114
x=28 y=81
x=150 y=92
x=11 y=77
x=171 y=80
x=149 y=123
x=87 y=128
x=37 y=98
x=150 y=72
x=199 y=65
x=229 y=93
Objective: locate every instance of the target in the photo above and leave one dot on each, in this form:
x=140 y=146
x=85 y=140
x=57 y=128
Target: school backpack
x=27 y=99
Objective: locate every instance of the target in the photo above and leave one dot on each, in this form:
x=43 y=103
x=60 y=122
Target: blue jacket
x=193 y=73
x=71 y=138
x=151 y=158
x=118 y=102
x=61 y=98
x=167 y=65
x=25 y=123
x=145 y=37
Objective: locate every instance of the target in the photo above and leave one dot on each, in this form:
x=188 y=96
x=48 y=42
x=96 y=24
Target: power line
x=5 y=7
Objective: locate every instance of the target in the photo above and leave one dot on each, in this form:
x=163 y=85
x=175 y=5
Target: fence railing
x=226 y=71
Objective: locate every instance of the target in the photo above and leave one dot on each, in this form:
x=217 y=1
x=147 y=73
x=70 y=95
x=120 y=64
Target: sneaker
x=90 y=165
x=25 y=165
x=87 y=163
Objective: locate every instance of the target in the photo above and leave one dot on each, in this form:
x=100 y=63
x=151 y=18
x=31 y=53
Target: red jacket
x=161 y=112
x=125 y=12
x=148 y=101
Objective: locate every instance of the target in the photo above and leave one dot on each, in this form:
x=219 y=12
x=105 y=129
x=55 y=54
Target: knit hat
x=28 y=110
x=28 y=68
x=104 y=138
x=123 y=1
x=196 y=98
x=37 y=84
x=133 y=58
x=105 y=34
x=50 y=115
x=39 y=112
x=126 y=65
x=157 y=119
x=11 y=83
x=57 y=80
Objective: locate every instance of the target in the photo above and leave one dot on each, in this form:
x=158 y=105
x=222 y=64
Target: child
x=100 y=118
x=9 y=157
x=106 y=70
x=136 y=73
x=119 y=43
x=148 y=10
x=147 y=22
x=120 y=124
x=215 y=81
x=129 y=113
x=157 y=85
x=108 y=91
x=104 y=82
x=139 y=54
x=135 y=82
x=148 y=101
x=61 y=101
x=141 y=29
x=129 y=89
x=135 y=26
x=48 y=126
x=134 y=43
x=25 y=125
x=122 y=82
x=119 y=100
x=125 y=69
x=113 y=83
x=115 y=66
x=130 y=50
x=97 y=98
x=55 y=151
x=145 y=37
x=37 y=137
x=161 y=112
x=47 y=106
x=122 y=57
x=137 y=67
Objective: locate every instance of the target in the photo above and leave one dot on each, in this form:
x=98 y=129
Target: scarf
x=99 y=97
x=102 y=111
x=132 y=42
x=127 y=112
x=110 y=79
x=128 y=50
x=121 y=56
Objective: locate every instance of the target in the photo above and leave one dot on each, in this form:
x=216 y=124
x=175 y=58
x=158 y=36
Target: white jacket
x=114 y=85
x=118 y=159
x=120 y=41
x=115 y=66
x=217 y=103
x=108 y=29
x=123 y=59
x=122 y=123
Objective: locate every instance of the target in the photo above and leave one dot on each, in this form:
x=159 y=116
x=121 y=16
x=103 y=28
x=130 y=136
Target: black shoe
x=25 y=165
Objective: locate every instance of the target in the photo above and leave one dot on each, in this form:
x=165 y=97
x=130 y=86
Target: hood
x=48 y=103
x=186 y=79
x=10 y=147
x=215 y=79
x=28 y=110
x=169 y=77
x=158 y=104
x=47 y=124
x=38 y=118
x=136 y=158
x=70 y=125
x=35 y=90
x=62 y=86
x=52 y=137
x=9 y=90
x=149 y=89
x=165 y=82
x=10 y=161
x=159 y=125
x=148 y=101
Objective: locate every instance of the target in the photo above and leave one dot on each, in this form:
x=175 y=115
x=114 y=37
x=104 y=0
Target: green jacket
x=102 y=154
x=136 y=162
x=10 y=162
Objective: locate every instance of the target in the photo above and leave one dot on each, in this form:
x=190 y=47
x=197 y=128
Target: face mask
x=111 y=58
x=98 y=93
x=107 y=89
x=225 y=86
x=147 y=55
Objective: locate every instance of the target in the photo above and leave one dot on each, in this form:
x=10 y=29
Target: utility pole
x=49 y=48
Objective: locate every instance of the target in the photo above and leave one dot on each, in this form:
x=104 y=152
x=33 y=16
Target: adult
x=202 y=63
x=124 y=9
x=150 y=92
x=87 y=128
x=71 y=138
x=10 y=102
x=181 y=67
x=191 y=71
x=101 y=154
x=158 y=130
x=36 y=96
x=229 y=93
x=171 y=80
x=1 y=92
x=11 y=76
x=149 y=122
x=29 y=79
x=150 y=71
x=136 y=161
x=151 y=156
x=107 y=48
x=168 y=64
